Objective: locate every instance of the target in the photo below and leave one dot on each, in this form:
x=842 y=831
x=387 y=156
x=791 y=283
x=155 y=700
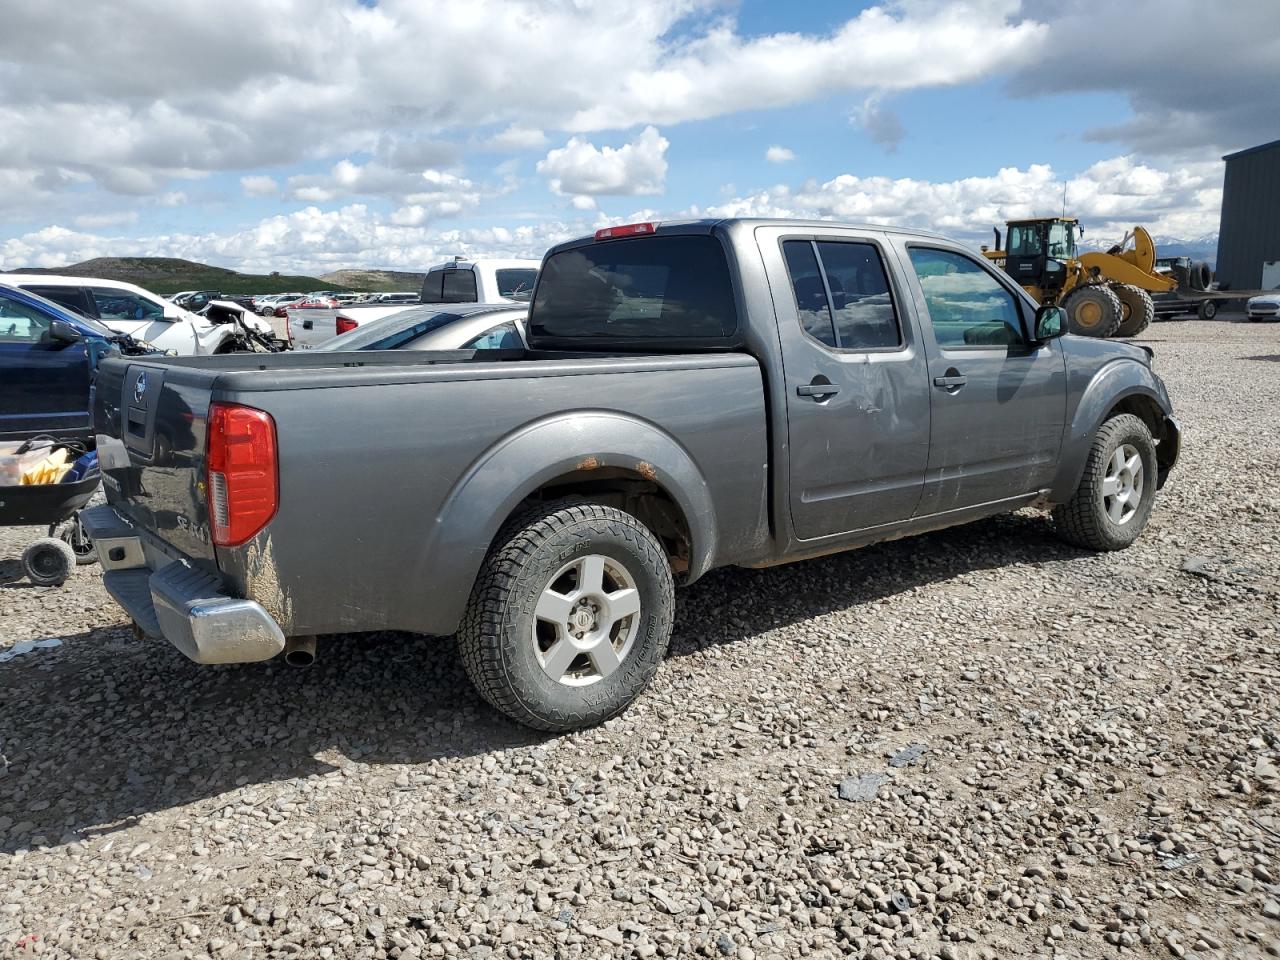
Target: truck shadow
x=106 y=728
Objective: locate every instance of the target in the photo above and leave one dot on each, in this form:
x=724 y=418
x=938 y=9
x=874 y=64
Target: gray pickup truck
x=694 y=395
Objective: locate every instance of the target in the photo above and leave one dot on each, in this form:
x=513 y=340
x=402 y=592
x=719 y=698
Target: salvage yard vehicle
x=466 y=326
x=482 y=280
x=1263 y=307
x=693 y=395
x=131 y=310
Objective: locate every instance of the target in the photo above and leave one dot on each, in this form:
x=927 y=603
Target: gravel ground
x=979 y=743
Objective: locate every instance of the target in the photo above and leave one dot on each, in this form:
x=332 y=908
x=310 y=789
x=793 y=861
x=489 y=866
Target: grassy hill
x=380 y=281
x=168 y=275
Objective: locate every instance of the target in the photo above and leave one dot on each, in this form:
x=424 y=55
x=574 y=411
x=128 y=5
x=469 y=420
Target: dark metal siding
x=1249 y=232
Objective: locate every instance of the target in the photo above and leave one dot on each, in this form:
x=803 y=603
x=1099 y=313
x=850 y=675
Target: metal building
x=1249 y=232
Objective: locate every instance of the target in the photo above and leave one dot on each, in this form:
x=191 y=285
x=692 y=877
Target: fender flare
x=1114 y=383
x=518 y=464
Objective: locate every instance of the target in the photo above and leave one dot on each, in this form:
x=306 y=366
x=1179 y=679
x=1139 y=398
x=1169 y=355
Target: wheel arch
x=1123 y=386
x=604 y=456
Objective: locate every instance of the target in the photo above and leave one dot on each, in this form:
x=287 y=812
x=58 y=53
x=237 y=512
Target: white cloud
x=583 y=202
x=880 y=124
x=776 y=154
x=516 y=138
x=259 y=186
x=95 y=221
x=174 y=198
x=1109 y=197
x=580 y=167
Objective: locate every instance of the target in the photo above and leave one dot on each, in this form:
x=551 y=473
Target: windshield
x=637 y=292
x=516 y=283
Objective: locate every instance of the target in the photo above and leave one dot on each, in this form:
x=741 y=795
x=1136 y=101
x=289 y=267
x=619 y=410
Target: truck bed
x=386 y=460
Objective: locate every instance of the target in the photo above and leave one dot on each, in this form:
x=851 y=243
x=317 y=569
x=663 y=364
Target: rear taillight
x=344 y=324
x=241 y=472
x=626 y=230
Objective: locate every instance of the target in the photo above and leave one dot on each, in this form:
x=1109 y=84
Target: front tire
x=1111 y=505
x=570 y=616
x=1208 y=310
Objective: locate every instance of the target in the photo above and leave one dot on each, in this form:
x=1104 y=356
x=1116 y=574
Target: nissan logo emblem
x=139 y=387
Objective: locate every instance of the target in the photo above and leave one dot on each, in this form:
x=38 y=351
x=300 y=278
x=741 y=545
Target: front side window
x=842 y=294
x=73 y=298
x=459 y=286
x=635 y=291
x=967 y=306
x=1024 y=240
x=19 y=322
x=123 y=305
x=516 y=283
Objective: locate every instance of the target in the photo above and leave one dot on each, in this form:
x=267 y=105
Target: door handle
x=817 y=390
x=950 y=382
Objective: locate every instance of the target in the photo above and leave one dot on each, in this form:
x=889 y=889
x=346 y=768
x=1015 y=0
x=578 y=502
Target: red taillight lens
x=344 y=324
x=241 y=472
x=626 y=230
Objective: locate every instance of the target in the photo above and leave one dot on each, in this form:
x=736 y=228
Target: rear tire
x=1137 y=308
x=570 y=616
x=1092 y=311
x=1208 y=310
x=1111 y=505
x=48 y=562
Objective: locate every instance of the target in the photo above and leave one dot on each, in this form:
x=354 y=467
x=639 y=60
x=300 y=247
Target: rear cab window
x=669 y=290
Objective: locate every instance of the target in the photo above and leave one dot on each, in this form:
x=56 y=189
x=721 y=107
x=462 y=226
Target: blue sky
x=397 y=133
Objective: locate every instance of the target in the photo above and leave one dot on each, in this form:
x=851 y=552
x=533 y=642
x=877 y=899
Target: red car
x=315 y=303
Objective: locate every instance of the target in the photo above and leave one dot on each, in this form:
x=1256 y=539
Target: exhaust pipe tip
x=300 y=651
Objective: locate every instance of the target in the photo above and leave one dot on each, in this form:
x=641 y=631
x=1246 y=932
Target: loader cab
x=1038 y=251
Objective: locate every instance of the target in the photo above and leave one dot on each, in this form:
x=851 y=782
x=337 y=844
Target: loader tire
x=1092 y=311
x=1113 y=501
x=1136 y=307
x=570 y=616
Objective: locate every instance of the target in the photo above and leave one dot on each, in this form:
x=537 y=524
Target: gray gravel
x=979 y=743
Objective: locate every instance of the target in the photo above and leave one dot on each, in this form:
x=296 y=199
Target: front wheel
x=1117 y=490
x=1208 y=310
x=570 y=616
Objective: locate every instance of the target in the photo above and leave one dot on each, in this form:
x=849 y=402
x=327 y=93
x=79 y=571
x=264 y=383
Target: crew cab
x=692 y=395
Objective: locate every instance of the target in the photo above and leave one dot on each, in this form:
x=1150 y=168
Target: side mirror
x=61 y=332
x=1050 y=322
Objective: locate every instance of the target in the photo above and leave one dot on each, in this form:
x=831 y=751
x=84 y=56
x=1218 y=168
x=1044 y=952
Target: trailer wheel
x=1117 y=490
x=72 y=531
x=48 y=562
x=1136 y=307
x=1208 y=310
x=570 y=616
x=1092 y=311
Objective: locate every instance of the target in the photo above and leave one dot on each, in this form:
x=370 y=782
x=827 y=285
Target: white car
x=1264 y=307
x=483 y=280
x=127 y=308
x=472 y=326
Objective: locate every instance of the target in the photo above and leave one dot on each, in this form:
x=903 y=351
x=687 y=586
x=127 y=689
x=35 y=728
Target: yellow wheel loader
x=1104 y=294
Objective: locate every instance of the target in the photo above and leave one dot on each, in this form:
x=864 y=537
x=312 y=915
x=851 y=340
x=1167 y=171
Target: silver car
x=459 y=327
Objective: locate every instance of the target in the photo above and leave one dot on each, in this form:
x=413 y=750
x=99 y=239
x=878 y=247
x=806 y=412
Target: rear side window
x=516 y=283
x=502 y=337
x=842 y=294
x=637 y=292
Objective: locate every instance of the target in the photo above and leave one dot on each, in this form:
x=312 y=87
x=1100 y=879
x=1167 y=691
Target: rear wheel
x=1117 y=490
x=1136 y=307
x=570 y=616
x=1092 y=311
x=1208 y=310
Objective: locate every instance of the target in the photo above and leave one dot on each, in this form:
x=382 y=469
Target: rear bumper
x=175 y=600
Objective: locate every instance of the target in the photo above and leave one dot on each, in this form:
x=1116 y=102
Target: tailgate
x=159 y=412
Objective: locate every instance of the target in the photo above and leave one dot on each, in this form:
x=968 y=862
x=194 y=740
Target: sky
x=313 y=135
